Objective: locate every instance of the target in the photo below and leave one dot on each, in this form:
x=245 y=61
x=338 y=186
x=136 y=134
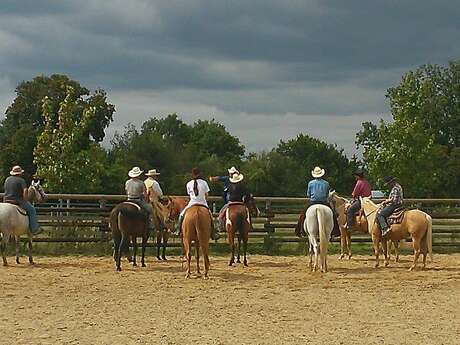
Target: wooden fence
x=86 y=216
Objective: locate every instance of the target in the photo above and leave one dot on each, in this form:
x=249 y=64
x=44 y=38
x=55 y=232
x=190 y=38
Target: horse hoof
x=187 y=276
x=17 y=261
x=205 y=277
x=144 y=265
x=387 y=264
x=31 y=263
x=118 y=269
x=341 y=257
x=134 y=264
x=230 y=263
x=238 y=261
x=129 y=258
x=164 y=258
x=411 y=268
x=158 y=258
x=245 y=263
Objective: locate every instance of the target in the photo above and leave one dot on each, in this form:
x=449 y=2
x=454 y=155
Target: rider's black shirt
x=237 y=191
x=14 y=188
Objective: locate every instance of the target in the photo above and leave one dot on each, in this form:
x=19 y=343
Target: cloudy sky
x=265 y=69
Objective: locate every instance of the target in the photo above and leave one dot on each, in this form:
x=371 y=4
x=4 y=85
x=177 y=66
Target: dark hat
x=359 y=172
x=196 y=173
x=389 y=179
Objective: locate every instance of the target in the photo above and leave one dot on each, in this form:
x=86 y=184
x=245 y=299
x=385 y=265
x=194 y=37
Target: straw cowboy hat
x=236 y=177
x=152 y=172
x=17 y=170
x=232 y=170
x=135 y=172
x=317 y=172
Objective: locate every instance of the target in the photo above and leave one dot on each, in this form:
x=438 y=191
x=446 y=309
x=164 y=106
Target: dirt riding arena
x=82 y=300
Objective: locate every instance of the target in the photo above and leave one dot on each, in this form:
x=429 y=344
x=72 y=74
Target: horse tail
x=239 y=223
x=429 y=236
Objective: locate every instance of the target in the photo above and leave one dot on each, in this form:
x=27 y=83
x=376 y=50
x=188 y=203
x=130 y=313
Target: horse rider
x=388 y=206
x=36 y=183
x=226 y=181
x=137 y=192
x=237 y=191
x=318 y=193
x=16 y=193
x=362 y=189
x=197 y=189
x=154 y=189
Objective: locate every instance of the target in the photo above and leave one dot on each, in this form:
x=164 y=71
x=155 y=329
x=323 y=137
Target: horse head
x=250 y=203
x=35 y=193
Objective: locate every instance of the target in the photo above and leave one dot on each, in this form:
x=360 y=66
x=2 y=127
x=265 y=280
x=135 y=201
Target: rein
x=367 y=215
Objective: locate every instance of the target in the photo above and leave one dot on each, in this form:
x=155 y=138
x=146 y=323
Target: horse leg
x=134 y=240
x=343 y=243
x=158 y=243
x=310 y=252
x=122 y=245
x=197 y=254
x=376 y=244
x=165 y=243
x=416 y=244
x=231 y=242
x=245 y=249
x=386 y=249
x=348 y=239
x=396 y=244
x=31 y=260
x=5 y=239
x=316 y=249
x=16 y=245
x=145 y=238
x=238 y=258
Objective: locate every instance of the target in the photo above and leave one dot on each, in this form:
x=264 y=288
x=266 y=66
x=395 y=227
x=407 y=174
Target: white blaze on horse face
x=248 y=218
x=228 y=222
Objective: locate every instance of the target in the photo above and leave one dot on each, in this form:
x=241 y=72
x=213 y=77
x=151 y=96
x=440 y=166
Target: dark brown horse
x=127 y=222
x=238 y=223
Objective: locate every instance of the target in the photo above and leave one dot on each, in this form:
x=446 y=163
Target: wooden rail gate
x=86 y=216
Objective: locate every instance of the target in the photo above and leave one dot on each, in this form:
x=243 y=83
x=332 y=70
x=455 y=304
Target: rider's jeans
x=32 y=214
x=384 y=213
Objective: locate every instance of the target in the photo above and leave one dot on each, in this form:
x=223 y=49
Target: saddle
x=397 y=216
x=135 y=203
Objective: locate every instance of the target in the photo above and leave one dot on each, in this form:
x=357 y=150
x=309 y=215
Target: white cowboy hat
x=152 y=172
x=135 y=172
x=236 y=177
x=232 y=170
x=317 y=172
x=17 y=170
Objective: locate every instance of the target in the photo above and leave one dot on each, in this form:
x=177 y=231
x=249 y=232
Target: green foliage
x=24 y=121
x=421 y=145
x=66 y=165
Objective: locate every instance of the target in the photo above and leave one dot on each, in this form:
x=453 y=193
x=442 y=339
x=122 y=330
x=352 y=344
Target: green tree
x=421 y=145
x=24 y=121
x=65 y=165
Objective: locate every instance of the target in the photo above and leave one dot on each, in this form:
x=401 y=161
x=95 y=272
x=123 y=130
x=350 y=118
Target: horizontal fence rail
x=84 y=218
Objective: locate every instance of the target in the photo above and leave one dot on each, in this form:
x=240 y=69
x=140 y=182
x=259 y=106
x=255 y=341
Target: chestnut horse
x=196 y=227
x=238 y=222
x=416 y=224
x=128 y=221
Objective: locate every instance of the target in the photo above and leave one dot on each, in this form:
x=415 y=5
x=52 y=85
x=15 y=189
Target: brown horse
x=416 y=224
x=196 y=227
x=127 y=222
x=238 y=222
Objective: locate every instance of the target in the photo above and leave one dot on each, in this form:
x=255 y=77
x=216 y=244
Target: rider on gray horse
x=16 y=193
x=137 y=192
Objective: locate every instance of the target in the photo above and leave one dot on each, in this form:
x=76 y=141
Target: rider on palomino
x=137 y=192
x=226 y=181
x=198 y=190
x=394 y=201
x=154 y=188
x=362 y=189
x=16 y=193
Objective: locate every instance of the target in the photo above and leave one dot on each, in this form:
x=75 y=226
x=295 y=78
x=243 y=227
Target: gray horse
x=14 y=222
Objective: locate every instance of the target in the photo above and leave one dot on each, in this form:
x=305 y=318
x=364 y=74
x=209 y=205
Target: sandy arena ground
x=82 y=300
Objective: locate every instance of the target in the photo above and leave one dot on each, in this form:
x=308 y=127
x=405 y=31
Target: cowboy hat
x=135 y=172
x=389 y=179
x=16 y=170
x=232 y=170
x=152 y=172
x=236 y=177
x=318 y=172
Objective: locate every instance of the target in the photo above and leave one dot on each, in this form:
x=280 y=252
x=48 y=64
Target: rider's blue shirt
x=318 y=190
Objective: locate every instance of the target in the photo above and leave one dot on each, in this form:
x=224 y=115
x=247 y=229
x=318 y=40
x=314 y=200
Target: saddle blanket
x=397 y=216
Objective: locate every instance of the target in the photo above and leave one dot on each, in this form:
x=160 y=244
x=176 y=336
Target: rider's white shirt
x=199 y=199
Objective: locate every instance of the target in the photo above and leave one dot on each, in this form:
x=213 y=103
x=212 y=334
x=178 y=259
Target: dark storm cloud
x=239 y=57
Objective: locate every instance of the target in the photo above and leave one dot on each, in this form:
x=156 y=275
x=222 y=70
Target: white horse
x=14 y=222
x=319 y=222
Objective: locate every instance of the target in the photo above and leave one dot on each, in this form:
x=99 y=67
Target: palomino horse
x=35 y=193
x=416 y=224
x=238 y=222
x=196 y=227
x=319 y=222
x=14 y=222
x=128 y=221
x=341 y=205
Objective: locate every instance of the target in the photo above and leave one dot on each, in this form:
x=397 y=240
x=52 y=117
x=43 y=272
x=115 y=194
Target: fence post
x=268 y=242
